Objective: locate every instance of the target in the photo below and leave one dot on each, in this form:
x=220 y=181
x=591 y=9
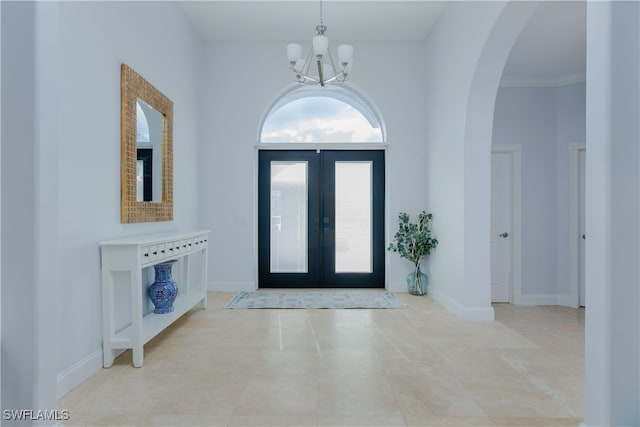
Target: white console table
x=132 y=255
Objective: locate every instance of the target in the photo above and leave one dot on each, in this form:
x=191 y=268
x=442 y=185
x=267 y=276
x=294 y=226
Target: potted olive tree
x=413 y=241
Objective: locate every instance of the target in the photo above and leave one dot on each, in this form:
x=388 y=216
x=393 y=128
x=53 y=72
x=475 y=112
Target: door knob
x=504 y=235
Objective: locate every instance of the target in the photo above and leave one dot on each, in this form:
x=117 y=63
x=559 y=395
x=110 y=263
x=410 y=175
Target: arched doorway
x=462 y=87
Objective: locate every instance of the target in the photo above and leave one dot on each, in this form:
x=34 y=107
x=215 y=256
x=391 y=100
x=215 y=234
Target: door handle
x=504 y=235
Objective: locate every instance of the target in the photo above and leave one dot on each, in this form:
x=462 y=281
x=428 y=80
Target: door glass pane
x=353 y=217
x=288 y=217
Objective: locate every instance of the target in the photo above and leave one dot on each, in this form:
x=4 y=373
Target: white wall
x=95 y=38
x=447 y=88
x=241 y=80
x=465 y=53
x=0 y=216
x=75 y=189
x=612 y=341
x=19 y=278
x=526 y=116
x=570 y=129
x=544 y=120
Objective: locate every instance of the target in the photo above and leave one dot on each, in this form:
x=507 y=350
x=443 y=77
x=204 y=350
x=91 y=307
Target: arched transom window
x=334 y=114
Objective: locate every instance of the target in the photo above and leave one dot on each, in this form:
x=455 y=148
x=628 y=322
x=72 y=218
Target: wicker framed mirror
x=146 y=165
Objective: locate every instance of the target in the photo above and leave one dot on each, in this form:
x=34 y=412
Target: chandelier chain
x=321 y=14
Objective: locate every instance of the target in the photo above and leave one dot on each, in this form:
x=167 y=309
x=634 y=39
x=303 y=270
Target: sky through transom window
x=320 y=119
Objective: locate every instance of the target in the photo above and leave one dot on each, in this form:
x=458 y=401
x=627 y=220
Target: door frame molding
x=515 y=274
x=573 y=300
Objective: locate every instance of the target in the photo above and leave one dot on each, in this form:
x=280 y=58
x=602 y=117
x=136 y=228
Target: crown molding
x=567 y=79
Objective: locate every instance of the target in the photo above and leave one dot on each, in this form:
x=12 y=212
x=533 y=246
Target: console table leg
x=204 y=277
x=138 y=356
x=136 y=317
x=203 y=304
x=108 y=357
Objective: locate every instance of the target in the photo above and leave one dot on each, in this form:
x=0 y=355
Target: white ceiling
x=550 y=50
x=296 y=20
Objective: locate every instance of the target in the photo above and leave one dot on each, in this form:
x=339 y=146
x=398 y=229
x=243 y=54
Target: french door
x=321 y=219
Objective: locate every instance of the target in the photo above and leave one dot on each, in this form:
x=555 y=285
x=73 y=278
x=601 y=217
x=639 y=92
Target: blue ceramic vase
x=163 y=291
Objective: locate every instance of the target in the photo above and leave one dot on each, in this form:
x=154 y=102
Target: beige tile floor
x=420 y=366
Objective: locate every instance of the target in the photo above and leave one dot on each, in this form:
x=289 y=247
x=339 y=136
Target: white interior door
x=501 y=225
x=581 y=228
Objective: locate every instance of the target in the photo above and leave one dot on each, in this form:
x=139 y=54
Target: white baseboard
x=537 y=299
x=79 y=372
x=221 y=286
x=567 y=300
x=465 y=313
x=479 y=314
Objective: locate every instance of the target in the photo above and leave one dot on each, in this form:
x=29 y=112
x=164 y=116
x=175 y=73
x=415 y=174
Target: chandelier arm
x=333 y=64
x=337 y=71
x=305 y=78
x=335 y=78
x=308 y=79
x=307 y=62
x=320 y=70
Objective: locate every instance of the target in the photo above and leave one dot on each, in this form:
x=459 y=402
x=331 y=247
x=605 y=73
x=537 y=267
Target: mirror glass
x=149 y=153
x=146 y=151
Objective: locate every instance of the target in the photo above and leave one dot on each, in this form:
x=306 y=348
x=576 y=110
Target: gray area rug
x=325 y=299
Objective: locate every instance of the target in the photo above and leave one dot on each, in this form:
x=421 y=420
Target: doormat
x=332 y=299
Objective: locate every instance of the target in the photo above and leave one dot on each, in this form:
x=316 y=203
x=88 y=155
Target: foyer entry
x=321 y=219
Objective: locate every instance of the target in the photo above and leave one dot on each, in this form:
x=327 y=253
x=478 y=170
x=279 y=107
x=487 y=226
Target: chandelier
x=327 y=71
